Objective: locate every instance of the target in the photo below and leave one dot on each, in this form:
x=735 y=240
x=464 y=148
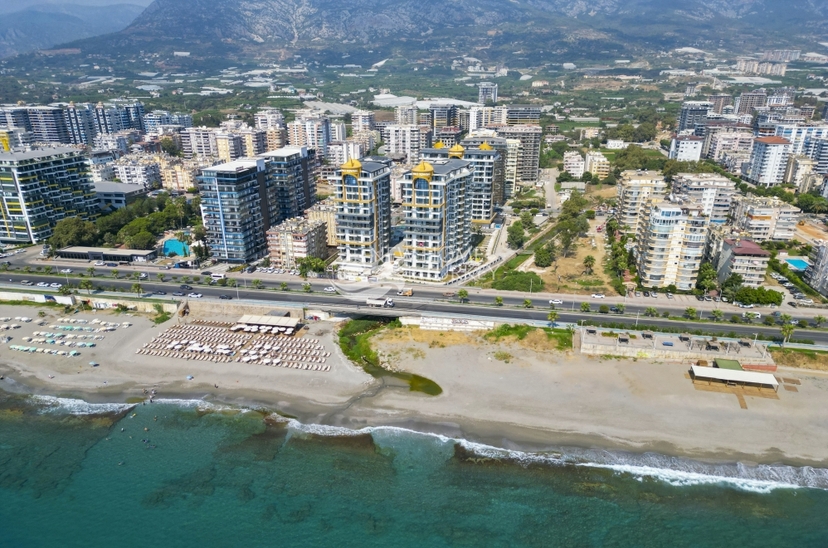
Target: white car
x=66 y=271
x=597 y=295
x=42 y=284
x=195 y=295
x=100 y=263
x=26 y=282
x=556 y=301
x=330 y=289
x=56 y=285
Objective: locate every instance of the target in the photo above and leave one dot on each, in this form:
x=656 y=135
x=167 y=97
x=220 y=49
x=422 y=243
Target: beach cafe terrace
x=251 y=323
x=732 y=377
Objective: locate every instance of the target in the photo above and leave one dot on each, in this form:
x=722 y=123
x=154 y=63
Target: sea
x=192 y=473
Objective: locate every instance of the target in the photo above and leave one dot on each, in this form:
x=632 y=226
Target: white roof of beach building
x=272 y=321
x=731 y=375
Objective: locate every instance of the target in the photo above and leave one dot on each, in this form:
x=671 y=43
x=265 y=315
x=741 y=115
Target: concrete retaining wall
x=653 y=353
x=208 y=308
x=448 y=324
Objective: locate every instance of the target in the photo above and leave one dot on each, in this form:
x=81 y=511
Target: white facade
x=635 y=189
x=597 y=164
x=714 y=193
x=573 y=163
x=722 y=143
x=403 y=140
x=768 y=161
x=362 y=120
x=765 y=218
x=269 y=119
x=817 y=273
x=142 y=171
x=686 y=149
x=342 y=151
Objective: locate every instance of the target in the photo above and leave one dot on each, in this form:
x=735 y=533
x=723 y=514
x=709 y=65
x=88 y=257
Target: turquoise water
x=175 y=246
x=797 y=264
x=205 y=476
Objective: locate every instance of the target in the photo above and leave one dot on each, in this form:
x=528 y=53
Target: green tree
x=48 y=270
x=584 y=307
x=589 y=262
x=819 y=320
x=650 y=311
x=691 y=313
x=283 y=286
x=136 y=288
x=257 y=284
x=114 y=272
x=160 y=277
x=621 y=308
x=306 y=287
x=717 y=315
x=462 y=295
x=515 y=235
x=231 y=282
x=91 y=271
x=73 y=231
x=542 y=257
x=498 y=301
x=142 y=240
x=603 y=309
x=787 y=332
x=552 y=316
x=65 y=290
x=707 y=280
x=87 y=285
x=309 y=264
x=527 y=303
x=526 y=220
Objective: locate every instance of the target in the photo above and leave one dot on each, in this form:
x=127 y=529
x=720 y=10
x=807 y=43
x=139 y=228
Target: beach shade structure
x=647 y=334
x=746 y=342
x=624 y=338
x=684 y=337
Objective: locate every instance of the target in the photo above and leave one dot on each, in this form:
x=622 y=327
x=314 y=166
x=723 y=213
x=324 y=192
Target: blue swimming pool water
x=797 y=264
x=176 y=246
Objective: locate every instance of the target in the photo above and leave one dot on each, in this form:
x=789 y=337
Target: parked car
x=195 y=295
x=669 y=295
x=638 y=293
x=597 y=295
x=646 y=294
x=100 y=263
x=111 y=265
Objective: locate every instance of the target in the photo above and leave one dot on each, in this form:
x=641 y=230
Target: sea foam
x=70 y=406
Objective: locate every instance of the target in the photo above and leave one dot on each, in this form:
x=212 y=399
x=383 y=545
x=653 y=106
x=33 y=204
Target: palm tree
x=785 y=318
x=114 y=272
x=283 y=286
x=87 y=285
x=690 y=313
x=136 y=288
x=527 y=303
x=552 y=316
x=91 y=271
x=589 y=262
x=819 y=320
x=650 y=311
x=787 y=332
x=584 y=307
x=499 y=301
x=160 y=277
x=257 y=284
x=232 y=282
x=621 y=308
x=717 y=315
x=136 y=275
x=47 y=270
x=462 y=295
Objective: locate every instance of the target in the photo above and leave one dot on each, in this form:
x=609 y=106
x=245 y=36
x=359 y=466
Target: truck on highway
x=405 y=292
x=381 y=303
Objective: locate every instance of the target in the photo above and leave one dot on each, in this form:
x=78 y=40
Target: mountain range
x=483 y=28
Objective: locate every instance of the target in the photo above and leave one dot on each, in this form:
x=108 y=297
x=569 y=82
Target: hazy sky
x=8 y=6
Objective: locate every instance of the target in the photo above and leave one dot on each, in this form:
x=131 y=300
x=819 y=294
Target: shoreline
x=515 y=394
x=501 y=435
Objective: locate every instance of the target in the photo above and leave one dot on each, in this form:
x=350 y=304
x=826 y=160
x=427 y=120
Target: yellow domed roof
x=353 y=163
x=485 y=146
x=457 y=148
x=423 y=167
x=439 y=144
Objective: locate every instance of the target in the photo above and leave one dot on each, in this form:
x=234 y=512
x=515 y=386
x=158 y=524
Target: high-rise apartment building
x=720 y=102
x=311 y=132
x=721 y=142
x=407 y=115
x=798 y=169
x=486 y=93
x=635 y=189
x=290 y=181
x=768 y=161
x=443 y=115
x=232 y=199
x=817 y=273
x=713 y=192
x=529 y=152
x=765 y=218
x=686 y=148
x=138 y=170
x=324 y=211
x=80 y=122
x=38 y=188
x=362 y=120
x=362 y=193
x=693 y=113
x=750 y=100
x=486 y=187
x=437 y=219
x=670 y=243
x=403 y=140
x=523 y=115
x=574 y=164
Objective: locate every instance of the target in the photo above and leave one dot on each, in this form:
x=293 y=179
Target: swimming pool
x=797 y=264
x=175 y=246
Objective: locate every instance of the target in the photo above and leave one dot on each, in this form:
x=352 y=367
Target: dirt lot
x=810 y=232
x=806 y=360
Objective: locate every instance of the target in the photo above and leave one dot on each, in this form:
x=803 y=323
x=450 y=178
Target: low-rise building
x=765 y=218
x=117 y=195
x=743 y=257
x=296 y=239
x=573 y=163
x=687 y=148
x=597 y=164
x=324 y=211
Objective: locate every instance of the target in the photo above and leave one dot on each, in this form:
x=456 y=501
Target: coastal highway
x=422 y=302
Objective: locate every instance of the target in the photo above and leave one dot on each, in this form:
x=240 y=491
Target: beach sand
x=539 y=399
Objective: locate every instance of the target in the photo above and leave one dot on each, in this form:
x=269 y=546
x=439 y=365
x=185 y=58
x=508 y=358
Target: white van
x=217 y=276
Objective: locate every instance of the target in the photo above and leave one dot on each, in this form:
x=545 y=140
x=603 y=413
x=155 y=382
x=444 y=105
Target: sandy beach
x=510 y=394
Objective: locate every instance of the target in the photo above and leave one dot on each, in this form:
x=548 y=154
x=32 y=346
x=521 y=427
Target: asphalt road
x=422 y=302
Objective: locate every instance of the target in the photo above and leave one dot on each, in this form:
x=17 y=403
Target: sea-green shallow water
x=205 y=476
